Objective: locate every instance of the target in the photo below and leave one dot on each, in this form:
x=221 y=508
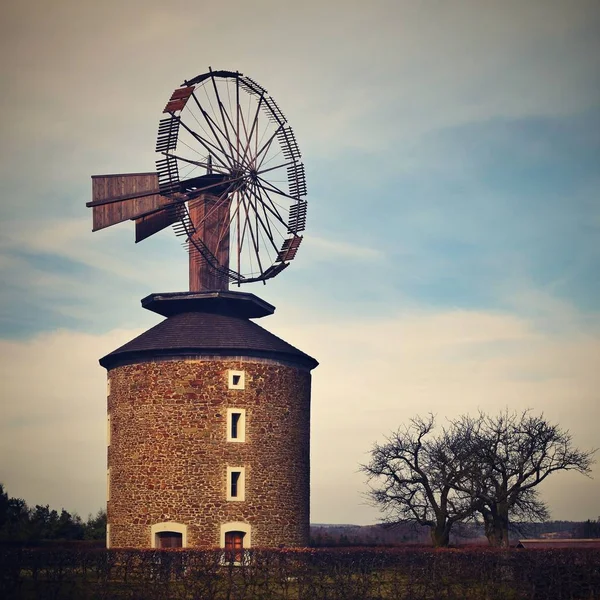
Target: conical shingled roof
x=206 y=333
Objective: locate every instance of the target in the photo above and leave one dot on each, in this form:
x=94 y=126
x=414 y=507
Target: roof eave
x=112 y=360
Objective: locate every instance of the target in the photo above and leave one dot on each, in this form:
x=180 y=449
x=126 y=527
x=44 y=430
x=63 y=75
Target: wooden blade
x=178 y=99
x=289 y=249
x=117 y=198
x=297 y=218
x=151 y=224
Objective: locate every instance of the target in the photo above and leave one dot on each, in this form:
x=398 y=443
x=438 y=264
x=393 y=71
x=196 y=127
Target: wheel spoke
x=207 y=144
x=254 y=177
x=241 y=116
x=266 y=146
x=276 y=190
x=287 y=164
x=258 y=195
x=232 y=215
x=264 y=162
x=245 y=219
x=222 y=111
x=254 y=126
x=273 y=210
x=254 y=238
x=193 y=114
x=238 y=236
x=267 y=229
x=191 y=162
x=237 y=116
x=212 y=126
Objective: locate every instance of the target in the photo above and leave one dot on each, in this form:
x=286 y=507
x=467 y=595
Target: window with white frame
x=108 y=429
x=236 y=484
x=236 y=425
x=108 y=483
x=108 y=387
x=236 y=380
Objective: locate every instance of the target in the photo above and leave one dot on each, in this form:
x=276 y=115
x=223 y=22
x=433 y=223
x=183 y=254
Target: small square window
x=236 y=484
x=237 y=380
x=236 y=425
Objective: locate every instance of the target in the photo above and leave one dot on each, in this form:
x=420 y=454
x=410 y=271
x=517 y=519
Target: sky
x=451 y=261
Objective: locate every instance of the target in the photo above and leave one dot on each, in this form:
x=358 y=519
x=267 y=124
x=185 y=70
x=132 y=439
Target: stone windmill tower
x=209 y=413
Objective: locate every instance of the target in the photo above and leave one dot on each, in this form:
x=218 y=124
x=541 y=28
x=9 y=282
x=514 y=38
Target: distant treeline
x=21 y=523
x=323 y=535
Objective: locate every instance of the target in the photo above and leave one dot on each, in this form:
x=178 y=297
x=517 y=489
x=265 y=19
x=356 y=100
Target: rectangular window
x=236 y=380
x=108 y=483
x=235 y=479
x=236 y=484
x=236 y=425
x=108 y=387
x=108 y=429
x=235 y=419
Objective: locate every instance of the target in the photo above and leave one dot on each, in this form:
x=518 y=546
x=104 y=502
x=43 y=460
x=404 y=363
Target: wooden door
x=234 y=545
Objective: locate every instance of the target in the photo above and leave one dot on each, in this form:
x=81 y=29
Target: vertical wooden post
x=210 y=217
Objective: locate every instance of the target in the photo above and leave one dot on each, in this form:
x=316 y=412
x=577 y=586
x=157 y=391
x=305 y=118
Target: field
x=315 y=574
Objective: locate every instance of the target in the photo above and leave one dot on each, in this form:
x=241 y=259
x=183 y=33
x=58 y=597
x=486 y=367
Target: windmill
x=229 y=179
x=208 y=413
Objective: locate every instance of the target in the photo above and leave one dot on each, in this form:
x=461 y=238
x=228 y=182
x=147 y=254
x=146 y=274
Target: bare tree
x=490 y=465
x=418 y=477
x=513 y=453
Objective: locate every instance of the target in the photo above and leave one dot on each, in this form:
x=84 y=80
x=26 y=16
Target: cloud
x=59 y=268
x=373 y=377
x=71 y=238
x=454 y=141
x=322 y=249
x=371 y=93
x=53 y=418
x=368 y=76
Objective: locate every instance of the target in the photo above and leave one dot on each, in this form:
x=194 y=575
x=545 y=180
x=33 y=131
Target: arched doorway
x=168 y=535
x=236 y=537
x=234 y=545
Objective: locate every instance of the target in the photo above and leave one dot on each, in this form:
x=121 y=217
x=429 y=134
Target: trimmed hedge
x=307 y=574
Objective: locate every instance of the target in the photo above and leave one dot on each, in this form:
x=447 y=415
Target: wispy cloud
x=71 y=238
x=450 y=151
x=53 y=418
x=325 y=250
x=58 y=273
x=373 y=376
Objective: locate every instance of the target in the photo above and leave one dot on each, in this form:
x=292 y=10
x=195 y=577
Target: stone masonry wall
x=168 y=453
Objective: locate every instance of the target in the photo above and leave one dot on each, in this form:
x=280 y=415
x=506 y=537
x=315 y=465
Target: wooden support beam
x=210 y=217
